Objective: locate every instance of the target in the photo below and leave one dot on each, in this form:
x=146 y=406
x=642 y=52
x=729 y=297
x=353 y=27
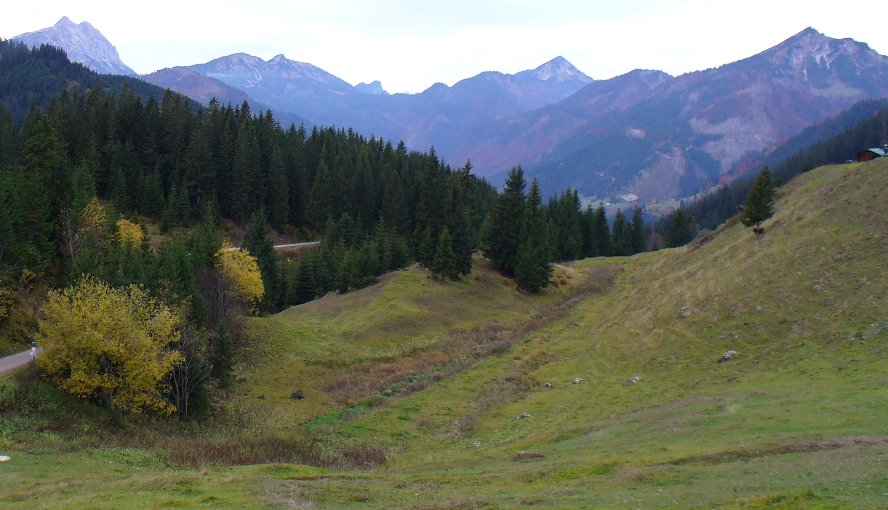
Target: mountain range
x=644 y=133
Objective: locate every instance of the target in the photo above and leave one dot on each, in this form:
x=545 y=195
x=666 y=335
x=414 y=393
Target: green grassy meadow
x=466 y=389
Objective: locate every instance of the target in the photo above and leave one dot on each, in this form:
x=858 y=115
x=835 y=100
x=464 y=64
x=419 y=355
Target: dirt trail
x=15 y=361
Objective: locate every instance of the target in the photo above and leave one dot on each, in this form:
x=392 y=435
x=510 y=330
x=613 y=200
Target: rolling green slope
x=468 y=387
x=798 y=416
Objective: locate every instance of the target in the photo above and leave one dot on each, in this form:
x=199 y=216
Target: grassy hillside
x=434 y=376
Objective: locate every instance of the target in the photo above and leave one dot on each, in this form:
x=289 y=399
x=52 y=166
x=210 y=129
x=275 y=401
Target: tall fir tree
x=322 y=202
x=601 y=233
x=759 y=204
x=638 y=231
x=504 y=227
x=444 y=263
x=622 y=235
x=258 y=243
x=682 y=230
x=532 y=266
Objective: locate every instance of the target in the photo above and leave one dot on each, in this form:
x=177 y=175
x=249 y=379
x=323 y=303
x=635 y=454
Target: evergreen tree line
x=715 y=208
x=34 y=76
x=164 y=160
x=561 y=230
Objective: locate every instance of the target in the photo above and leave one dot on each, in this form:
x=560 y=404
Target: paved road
x=283 y=246
x=16 y=360
x=296 y=245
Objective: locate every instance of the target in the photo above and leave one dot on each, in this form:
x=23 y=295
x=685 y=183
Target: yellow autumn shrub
x=94 y=224
x=130 y=234
x=110 y=345
x=242 y=271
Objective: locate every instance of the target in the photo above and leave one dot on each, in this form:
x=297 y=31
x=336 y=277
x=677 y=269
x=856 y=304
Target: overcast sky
x=411 y=44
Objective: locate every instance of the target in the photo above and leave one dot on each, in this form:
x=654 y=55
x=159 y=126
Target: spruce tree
x=444 y=263
x=425 y=247
x=601 y=233
x=463 y=246
x=323 y=196
x=637 y=229
x=259 y=245
x=504 y=227
x=622 y=235
x=532 y=266
x=682 y=230
x=566 y=217
x=304 y=286
x=587 y=222
x=205 y=240
x=759 y=204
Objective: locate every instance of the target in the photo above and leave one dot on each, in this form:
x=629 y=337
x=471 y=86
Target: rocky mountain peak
x=374 y=88
x=559 y=69
x=83 y=44
x=812 y=57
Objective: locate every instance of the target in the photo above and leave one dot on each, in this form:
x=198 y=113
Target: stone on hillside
x=476 y=444
x=523 y=455
x=635 y=379
x=548 y=385
x=702 y=238
x=523 y=415
x=727 y=356
x=297 y=395
x=577 y=380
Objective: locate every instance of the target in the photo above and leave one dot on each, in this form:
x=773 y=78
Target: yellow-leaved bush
x=130 y=234
x=242 y=271
x=94 y=224
x=110 y=345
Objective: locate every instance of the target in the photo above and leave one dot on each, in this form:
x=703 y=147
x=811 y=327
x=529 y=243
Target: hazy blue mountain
x=441 y=116
x=660 y=137
x=374 y=88
x=83 y=44
x=645 y=133
x=199 y=87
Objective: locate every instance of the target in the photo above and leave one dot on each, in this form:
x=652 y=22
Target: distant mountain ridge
x=83 y=44
x=644 y=133
x=676 y=136
x=436 y=116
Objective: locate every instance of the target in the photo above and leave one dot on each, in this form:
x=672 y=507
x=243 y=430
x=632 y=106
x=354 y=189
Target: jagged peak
x=82 y=42
x=559 y=68
x=372 y=88
x=809 y=31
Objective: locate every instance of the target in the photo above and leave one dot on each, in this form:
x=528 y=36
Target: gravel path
x=16 y=360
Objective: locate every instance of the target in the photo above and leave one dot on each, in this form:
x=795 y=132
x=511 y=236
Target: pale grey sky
x=410 y=44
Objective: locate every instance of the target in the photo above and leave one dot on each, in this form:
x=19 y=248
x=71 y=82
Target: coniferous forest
x=86 y=176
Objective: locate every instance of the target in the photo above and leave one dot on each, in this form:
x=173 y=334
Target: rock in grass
x=548 y=385
x=635 y=379
x=523 y=415
x=524 y=456
x=578 y=380
x=727 y=356
x=297 y=395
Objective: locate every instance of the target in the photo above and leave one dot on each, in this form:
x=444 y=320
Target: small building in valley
x=871 y=154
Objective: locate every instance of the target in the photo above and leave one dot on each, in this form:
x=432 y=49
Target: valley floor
x=481 y=397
